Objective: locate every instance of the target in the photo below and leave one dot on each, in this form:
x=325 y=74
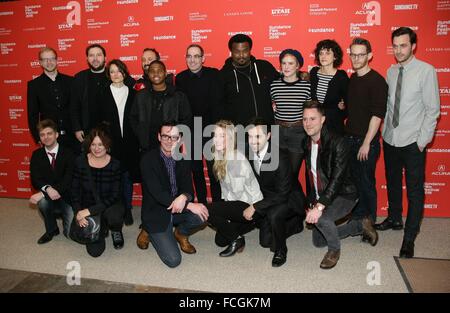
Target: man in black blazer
x=48 y=97
x=280 y=214
x=51 y=173
x=167 y=194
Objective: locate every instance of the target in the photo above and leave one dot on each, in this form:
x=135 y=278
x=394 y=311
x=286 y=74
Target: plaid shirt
x=169 y=162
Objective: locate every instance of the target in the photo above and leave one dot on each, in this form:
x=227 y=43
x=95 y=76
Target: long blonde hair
x=220 y=157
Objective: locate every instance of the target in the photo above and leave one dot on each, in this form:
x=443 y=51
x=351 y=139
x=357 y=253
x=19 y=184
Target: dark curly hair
x=329 y=44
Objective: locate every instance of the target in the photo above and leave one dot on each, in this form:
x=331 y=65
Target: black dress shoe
x=47 y=237
x=117 y=238
x=237 y=245
x=407 y=249
x=279 y=258
x=389 y=224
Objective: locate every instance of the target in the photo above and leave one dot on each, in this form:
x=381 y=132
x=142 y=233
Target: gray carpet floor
x=250 y=271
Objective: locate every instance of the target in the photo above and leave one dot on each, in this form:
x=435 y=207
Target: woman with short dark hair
x=329 y=84
x=96 y=190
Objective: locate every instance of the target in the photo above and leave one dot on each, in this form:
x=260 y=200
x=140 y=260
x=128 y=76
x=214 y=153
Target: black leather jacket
x=175 y=108
x=333 y=169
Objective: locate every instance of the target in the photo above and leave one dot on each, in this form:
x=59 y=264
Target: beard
x=98 y=68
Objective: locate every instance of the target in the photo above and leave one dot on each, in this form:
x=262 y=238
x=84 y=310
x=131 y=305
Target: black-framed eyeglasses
x=171 y=138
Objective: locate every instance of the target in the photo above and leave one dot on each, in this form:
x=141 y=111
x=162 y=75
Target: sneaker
x=117 y=238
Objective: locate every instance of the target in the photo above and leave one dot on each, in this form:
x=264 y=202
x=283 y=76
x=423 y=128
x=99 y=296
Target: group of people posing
x=101 y=131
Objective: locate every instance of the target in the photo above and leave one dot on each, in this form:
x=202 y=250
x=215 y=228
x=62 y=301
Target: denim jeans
x=50 y=209
x=326 y=233
x=413 y=161
x=165 y=243
x=363 y=173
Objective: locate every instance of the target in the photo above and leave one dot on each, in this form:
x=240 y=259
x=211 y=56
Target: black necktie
x=53 y=162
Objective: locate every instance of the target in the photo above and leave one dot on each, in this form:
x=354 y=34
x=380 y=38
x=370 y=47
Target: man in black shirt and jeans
x=202 y=86
x=48 y=97
x=367 y=98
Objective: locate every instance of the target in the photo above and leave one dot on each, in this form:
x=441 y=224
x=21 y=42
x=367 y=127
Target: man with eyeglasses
x=167 y=199
x=202 y=86
x=367 y=95
x=412 y=111
x=48 y=97
x=148 y=56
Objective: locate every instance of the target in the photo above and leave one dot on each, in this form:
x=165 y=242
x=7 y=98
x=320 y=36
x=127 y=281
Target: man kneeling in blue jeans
x=167 y=200
x=330 y=190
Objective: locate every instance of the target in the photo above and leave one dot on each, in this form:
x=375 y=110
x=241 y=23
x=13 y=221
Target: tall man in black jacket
x=51 y=169
x=202 y=86
x=282 y=211
x=246 y=83
x=48 y=97
x=330 y=190
x=167 y=200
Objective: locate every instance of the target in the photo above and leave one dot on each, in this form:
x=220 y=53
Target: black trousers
x=112 y=218
x=279 y=223
x=412 y=160
x=200 y=182
x=226 y=217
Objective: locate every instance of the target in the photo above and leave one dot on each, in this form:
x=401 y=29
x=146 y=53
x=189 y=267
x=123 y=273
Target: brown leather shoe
x=185 y=245
x=330 y=259
x=143 y=240
x=369 y=231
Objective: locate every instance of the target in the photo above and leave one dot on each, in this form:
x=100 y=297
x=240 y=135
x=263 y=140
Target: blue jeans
x=363 y=173
x=50 y=209
x=326 y=233
x=165 y=243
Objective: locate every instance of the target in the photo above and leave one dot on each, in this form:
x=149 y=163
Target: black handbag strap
x=91 y=181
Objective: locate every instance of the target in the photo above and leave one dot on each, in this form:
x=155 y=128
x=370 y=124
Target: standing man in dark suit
x=48 y=97
x=202 y=86
x=167 y=200
x=51 y=173
x=281 y=212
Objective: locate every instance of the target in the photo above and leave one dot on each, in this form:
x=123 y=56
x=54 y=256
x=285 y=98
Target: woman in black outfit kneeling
x=106 y=175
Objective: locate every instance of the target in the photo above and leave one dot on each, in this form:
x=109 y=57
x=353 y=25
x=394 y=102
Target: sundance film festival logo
x=31 y=10
x=281 y=12
x=373 y=11
x=23 y=175
x=443 y=5
x=197 y=35
x=440 y=171
x=442 y=28
x=128 y=39
x=130 y=22
x=7 y=47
